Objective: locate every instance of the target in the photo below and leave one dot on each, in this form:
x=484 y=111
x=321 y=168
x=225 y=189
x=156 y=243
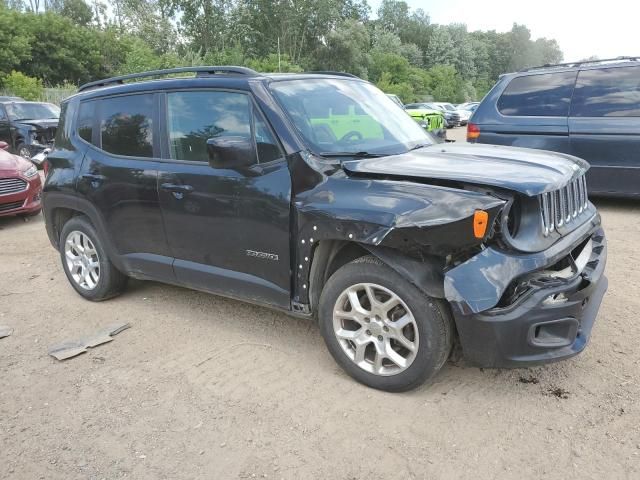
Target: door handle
x=93 y=176
x=178 y=191
x=172 y=187
x=94 y=179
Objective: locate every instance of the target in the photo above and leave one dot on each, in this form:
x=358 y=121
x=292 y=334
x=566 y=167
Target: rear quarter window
x=607 y=92
x=543 y=95
x=126 y=125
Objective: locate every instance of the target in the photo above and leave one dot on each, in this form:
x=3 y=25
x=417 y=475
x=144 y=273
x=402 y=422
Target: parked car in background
x=587 y=109
x=466 y=105
x=431 y=120
x=452 y=118
x=20 y=185
x=448 y=107
x=28 y=127
x=314 y=194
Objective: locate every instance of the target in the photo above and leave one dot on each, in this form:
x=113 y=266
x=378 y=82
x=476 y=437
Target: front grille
x=564 y=205
x=12 y=185
x=5 y=207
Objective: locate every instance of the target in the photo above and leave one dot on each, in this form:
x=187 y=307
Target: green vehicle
x=431 y=120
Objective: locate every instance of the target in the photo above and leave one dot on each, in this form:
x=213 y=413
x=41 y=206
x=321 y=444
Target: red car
x=20 y=185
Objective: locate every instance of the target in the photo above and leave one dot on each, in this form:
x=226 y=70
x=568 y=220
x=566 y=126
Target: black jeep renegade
x=317 y=195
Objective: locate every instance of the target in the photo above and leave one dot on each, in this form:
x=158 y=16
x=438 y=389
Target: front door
x=227 y=225
x=604 y=128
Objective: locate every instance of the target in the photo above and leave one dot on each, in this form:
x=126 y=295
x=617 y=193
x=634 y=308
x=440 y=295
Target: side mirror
x=231 y=152
x=4 y=146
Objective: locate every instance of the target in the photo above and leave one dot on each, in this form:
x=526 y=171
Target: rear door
x=227 y=225
x=604 y=128
x=119 y=177
x=530 y=112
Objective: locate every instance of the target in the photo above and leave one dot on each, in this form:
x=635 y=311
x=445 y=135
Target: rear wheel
x=85 y=262
x=381 y=329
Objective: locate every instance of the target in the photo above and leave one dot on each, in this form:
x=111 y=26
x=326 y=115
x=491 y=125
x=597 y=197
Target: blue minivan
x=587 y=109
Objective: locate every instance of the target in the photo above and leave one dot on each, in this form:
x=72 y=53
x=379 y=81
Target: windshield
x=32 y=111
x=448 y=106
x=348 y=116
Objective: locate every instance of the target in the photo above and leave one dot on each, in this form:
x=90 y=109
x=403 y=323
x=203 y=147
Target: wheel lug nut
x=380 y=337
x=367 y=319
x=368 y=332
x=386 y=329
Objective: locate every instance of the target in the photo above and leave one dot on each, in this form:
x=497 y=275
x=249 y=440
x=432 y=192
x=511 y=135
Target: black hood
x=39 y=124
x=523 y=170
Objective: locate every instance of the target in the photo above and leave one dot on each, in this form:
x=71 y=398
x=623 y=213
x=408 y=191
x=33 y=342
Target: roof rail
x=329 y=72
x=583 y=62
x=199 y=71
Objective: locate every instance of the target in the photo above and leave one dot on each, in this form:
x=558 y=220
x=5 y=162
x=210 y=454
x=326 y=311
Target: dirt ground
x=204 y=387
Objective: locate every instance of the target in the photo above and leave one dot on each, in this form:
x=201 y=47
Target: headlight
x=32 y=171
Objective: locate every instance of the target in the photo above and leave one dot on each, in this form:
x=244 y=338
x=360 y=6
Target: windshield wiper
x=354 y=154
x=421 y=145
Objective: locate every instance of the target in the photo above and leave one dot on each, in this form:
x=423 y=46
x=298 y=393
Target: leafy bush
x=23 y=86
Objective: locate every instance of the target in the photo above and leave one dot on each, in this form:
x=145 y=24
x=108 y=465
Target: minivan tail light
x=473 y=131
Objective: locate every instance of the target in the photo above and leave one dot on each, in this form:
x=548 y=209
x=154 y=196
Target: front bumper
x=26 y=202
x=550 y=321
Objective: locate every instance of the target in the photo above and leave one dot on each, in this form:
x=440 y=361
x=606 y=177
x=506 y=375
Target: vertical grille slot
x=564 y=205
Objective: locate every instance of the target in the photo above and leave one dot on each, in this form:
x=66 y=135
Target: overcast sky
x=582 y=28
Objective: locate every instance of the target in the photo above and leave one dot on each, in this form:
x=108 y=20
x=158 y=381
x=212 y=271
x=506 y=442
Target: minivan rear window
x=543 y=95
x=607 y=92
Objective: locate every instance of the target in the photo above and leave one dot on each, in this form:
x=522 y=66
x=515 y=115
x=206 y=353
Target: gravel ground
x=204 y=387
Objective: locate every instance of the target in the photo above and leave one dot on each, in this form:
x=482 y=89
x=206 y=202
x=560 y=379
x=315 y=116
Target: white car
x=465 y=115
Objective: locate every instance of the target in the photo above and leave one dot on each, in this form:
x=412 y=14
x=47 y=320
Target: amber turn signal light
x=480 y=222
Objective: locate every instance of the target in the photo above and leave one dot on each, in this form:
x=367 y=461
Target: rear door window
x=543 y=95
x=126 y=125
x=85 y=120
x=607 y=92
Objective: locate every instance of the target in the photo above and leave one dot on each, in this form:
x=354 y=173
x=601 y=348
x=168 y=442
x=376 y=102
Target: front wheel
x=381 y=329
x=23 y=151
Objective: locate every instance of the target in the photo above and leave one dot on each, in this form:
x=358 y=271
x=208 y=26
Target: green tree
x=75 y=10
x=345 y=49
x=23 y=86
x=15 y=42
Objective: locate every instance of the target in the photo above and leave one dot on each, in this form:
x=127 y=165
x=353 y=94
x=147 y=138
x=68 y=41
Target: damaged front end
x=527 y=291
x=514 y=309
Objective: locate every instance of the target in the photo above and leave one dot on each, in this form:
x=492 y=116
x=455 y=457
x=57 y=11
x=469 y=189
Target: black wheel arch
x=59 y=207
x=427 y=273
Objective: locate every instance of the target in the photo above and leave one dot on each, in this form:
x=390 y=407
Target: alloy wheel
x=82 y=260
x=375 y=329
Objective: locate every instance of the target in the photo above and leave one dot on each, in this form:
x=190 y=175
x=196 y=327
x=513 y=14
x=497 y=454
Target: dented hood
x=524 y=170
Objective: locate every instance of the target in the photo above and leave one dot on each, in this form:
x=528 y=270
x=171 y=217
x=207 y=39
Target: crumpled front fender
x=401 y=215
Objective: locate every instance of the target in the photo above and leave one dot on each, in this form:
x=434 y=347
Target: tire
x=430 y=327
x=77 y=237
x=19 y=151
